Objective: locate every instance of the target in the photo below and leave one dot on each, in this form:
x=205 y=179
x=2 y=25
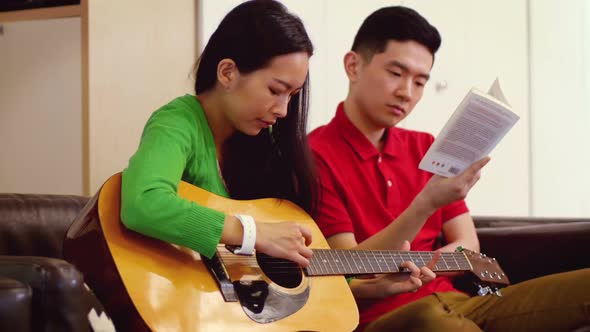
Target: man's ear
x=227 y=72
x=352 y=64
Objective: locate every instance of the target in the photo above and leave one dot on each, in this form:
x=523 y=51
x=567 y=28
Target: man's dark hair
x=394 y=23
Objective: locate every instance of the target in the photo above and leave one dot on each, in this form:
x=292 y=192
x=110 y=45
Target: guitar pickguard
x=264 y=303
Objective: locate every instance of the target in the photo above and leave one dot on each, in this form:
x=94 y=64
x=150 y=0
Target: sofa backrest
x=35 y=225
x=532 y=247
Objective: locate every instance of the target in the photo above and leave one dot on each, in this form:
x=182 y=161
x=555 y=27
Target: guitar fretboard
x=355 y=262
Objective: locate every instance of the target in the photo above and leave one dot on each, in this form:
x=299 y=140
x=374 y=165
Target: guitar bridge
x=220 y=274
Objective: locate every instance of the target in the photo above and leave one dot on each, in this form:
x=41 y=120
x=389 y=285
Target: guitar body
x=147 y=284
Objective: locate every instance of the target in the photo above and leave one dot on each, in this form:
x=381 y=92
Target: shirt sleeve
x=149 y=201
x=331 y=214
x=452 y=210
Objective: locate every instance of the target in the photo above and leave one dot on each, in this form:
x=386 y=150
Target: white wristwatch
x=249 y=239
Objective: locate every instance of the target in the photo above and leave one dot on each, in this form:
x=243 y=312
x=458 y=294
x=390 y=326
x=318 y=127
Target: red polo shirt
x=363 y=190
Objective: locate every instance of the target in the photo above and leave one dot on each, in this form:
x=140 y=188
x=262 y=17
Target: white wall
x=40 y=103
x=331 y=25
x=141 y=55
x=560 y=54
x=468 y=58
x=536 y=169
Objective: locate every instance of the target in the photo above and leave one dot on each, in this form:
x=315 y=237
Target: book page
x=496 y=92
x=474 y=129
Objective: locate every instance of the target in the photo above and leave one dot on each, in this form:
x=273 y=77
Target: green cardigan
x=176 y=144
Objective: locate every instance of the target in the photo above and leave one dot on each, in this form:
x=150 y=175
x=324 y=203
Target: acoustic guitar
x=148 y=284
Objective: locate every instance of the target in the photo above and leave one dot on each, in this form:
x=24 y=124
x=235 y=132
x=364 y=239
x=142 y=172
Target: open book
x=474 y=129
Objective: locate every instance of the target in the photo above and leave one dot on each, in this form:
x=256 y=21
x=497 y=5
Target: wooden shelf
x=40 y=13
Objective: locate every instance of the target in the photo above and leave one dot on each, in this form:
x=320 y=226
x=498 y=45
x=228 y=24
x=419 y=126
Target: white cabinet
x=141 y=56
x=78 y=83
x=40 y=107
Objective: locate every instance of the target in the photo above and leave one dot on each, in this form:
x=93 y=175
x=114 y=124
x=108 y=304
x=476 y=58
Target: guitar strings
x=327 y=264
x=339 y=259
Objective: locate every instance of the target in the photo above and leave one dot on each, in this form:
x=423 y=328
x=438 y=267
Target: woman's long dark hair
x=276 y=162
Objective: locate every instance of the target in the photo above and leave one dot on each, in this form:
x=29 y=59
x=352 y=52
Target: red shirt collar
x=359 y=142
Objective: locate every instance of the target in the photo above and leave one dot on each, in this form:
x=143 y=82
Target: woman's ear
x=227 y=72
x=352 y=64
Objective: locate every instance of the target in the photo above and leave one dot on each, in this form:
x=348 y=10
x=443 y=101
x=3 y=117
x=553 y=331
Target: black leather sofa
x=39 y=291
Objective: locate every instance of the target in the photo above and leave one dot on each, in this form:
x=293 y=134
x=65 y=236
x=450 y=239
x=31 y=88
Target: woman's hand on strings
x=287 y=240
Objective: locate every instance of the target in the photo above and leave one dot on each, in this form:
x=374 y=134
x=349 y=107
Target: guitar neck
x=358 y=262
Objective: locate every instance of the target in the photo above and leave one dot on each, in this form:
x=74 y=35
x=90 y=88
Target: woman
x=242 y=136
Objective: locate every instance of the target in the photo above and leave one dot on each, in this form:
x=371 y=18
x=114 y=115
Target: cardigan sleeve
x=149 y=201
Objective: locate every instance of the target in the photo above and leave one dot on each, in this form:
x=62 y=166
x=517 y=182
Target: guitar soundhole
x=281 y=271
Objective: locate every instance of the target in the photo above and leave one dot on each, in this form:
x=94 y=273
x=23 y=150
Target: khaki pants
x=558 y=302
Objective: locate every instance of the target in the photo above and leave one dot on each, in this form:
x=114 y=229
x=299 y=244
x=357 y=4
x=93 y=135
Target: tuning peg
x=497 y=291
x=483 y=291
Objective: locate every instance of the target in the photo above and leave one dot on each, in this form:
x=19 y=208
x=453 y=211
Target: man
x=373 y=196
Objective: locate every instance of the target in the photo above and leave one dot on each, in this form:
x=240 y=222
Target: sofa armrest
x=61 y=300
x=15 y=305
x=34 y=224
x=536 y=249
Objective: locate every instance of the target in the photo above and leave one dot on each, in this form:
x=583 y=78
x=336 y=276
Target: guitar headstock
x=487 y=272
